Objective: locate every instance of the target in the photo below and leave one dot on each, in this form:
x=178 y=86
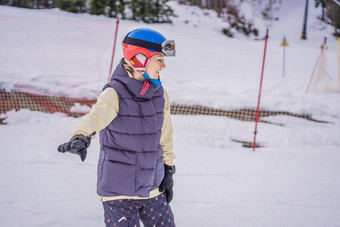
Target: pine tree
x=74 y=6
x=32 y=4
x=109 y=8
x=321 y=3
x=151 y=11
x=97 y=7
x=165 y=12
x=121 y=8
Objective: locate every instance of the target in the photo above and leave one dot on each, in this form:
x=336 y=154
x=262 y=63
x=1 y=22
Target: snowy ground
x=292 y=181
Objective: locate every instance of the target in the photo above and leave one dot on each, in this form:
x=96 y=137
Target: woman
x=132 y=116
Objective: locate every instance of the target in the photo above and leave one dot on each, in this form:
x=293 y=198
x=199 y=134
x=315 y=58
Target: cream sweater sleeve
x=106 y=109
x=101 y=114
x=166 y=137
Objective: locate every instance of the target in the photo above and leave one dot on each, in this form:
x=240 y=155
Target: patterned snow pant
x=152 y=212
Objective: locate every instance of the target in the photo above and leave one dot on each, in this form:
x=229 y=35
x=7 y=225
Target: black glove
x=168 y=182
x=78 y=144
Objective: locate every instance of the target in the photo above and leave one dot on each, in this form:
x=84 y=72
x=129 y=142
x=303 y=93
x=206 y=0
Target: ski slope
x=292 y=181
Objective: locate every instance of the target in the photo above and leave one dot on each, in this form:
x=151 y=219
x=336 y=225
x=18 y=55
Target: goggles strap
x=143 y=43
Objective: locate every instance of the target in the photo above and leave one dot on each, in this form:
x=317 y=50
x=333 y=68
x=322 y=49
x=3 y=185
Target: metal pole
x=284 y=61
x=259 y=98
x=304 y=29
x=114 y=48
x=284 y=44
x=339 y=60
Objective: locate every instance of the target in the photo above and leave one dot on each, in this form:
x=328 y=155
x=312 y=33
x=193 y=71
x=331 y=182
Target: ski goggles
x=167 y=48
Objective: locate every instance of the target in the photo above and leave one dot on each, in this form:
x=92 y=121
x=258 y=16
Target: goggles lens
x=168 y=48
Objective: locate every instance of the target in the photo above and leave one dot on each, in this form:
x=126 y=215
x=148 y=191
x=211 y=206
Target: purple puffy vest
x=130 y=161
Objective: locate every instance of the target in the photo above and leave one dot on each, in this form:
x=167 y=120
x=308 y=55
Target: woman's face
x=155 y=66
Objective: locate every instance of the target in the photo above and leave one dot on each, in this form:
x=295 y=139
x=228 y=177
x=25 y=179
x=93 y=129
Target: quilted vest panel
x=130 y=160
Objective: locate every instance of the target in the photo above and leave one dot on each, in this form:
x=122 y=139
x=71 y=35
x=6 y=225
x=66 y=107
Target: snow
x=292 y=181
x=78 y=108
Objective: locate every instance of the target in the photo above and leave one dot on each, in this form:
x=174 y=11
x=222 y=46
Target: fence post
x=284 y=44
x=339 y=60
x=304 y=28
x=259 y=98
x=114 y=48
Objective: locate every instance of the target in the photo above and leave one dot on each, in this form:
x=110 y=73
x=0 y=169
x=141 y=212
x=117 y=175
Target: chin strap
x=137 y=69
x=138 y=62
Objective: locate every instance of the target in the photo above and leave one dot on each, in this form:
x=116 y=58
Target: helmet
x=141 y=44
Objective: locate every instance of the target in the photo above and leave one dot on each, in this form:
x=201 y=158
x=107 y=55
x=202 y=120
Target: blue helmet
x=147 y=42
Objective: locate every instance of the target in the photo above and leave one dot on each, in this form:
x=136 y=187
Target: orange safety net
x=50 y=104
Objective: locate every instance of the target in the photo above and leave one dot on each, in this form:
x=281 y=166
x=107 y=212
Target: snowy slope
x=206 y=61
x=292 y=181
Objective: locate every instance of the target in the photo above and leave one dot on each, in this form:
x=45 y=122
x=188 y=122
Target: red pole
x=114 y=48
x=259 y=98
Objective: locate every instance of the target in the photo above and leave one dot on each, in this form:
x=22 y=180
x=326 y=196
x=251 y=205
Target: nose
x=163 y=65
